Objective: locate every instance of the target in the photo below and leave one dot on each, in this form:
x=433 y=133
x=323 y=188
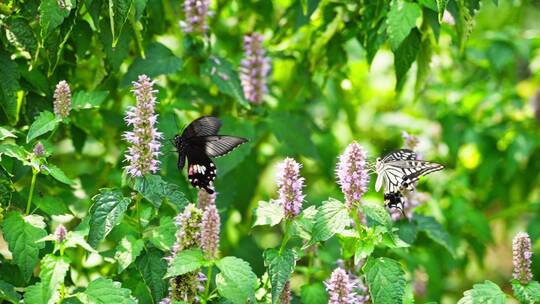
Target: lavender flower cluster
x=290 y=187
x=196 y=13
x=521 y=251
x=210 y=231
x=144 y=140
x=62 y=99
x=254 y=68
x=344 y=288
x=352 y=174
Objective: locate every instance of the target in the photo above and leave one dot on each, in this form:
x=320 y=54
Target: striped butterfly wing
x=404 y=173
x=217 y=145
x=401 y=154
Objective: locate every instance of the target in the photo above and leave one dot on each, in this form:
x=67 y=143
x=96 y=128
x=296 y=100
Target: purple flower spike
x=62 y=99
x=343 y=288
x=352 y=173
x=210 y=225
x=204 y=199
x=188 y=223
x=60 y=233
x=254 y=69
x=166 y=300
x=39 y=150
x=144 y=140
x=290 y=187
x=196 y=14
x=521 y=249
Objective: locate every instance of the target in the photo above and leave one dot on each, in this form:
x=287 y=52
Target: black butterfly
x=199 y=141
x=398 y=171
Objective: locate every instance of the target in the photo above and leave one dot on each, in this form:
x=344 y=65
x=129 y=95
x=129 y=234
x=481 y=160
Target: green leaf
x=88 y=100
x=528 y=293
x=58 y=174
x=385 y=279
x=9 y=86
x=21 y=237
x=152 y=267
x=103 y=291
x=5 y=133
x=314 y=293
x=297 y=142
x=15 y=152
x=363 y=249
x=107 y=211
x=34 y=294
x=127 y=251
x=159 y=61
x=302 y=225
x=163 y=236
x=401 y=20
x=45 y=122
x=331 y=218
x=223 y=75
x=185 y=261
x=376 y=214
x=52 y=275
x=404 y=57
x=20 y=34
x=8 y=293
x=118 y=13
x=236 y=282
x=154 y=189
x=268 y=213
x=280 y=268
x=51 y=15
x=435 y=231
x=487 y=292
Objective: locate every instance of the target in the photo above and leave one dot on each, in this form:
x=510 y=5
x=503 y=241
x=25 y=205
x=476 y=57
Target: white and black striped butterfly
x=199 y=141
x=398 y=171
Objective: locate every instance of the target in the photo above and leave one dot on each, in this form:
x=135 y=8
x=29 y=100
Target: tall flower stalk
x=144 y=140
x=62 y=99
x=196 y=16
x=343 y=288
x=352 y=173
x=521 y=251
x=210 y=225
x=204 y=199
x=290 y=185
x=254 y=69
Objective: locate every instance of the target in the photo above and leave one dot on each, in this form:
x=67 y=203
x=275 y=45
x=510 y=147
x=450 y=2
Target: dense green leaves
x=127 y=251
x=163 y=236
x=487 y=292
x=52 y=273
x=59 y=175
x=22 y=238
x=106 y=212
x=280 y=267
x=185 y=261
x=223 y=75
x=385 y=279
x=52 y=13
x=314 y=294
x=401 y=19
x=8 y=293
x=435 y=231
x=236 y=281
x=9 y=86
x=155 y=190
x=526 y=293
x=45 y=122
x=152 y=266
x=158 y=60
x=118 y=12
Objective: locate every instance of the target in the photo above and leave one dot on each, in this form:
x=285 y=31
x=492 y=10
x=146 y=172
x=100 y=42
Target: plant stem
x=137 y=201
x=208 y=279
x=286 y=236
x=32 y=186
x=357 y=222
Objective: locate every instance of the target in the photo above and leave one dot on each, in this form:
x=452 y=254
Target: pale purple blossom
x=60 y=233
x=254 y=69
x=352 y=173
x=204 y=199
x=144 y=140
x=285 y=297
x=290 y=187
x=521 y=250
x=39 y=150
x=62 y=99
x=166 y=300
x=344 y=288
x=188 y=233
x=196 y=14
x=210 y=225
x=409 y=141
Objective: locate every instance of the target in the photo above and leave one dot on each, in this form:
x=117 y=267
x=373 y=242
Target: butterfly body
x=398 y=171
x=198 y=143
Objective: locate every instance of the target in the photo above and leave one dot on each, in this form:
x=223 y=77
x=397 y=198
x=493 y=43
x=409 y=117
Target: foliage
x=462 y=76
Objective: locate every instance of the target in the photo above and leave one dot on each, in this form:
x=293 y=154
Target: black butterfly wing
x=201 y=169
x=416 y=169
x=203 y=126
x=181 y=159
x=217 y=145
x=401 y=154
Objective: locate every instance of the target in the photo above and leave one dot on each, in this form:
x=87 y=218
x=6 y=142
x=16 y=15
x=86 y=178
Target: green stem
x=357 y=222
x=208 y=281
x=137 y=201
x=286 y=236
x=32 y=186
x=310 y=266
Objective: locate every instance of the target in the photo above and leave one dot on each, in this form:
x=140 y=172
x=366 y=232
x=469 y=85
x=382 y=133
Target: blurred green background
x=472 y=96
